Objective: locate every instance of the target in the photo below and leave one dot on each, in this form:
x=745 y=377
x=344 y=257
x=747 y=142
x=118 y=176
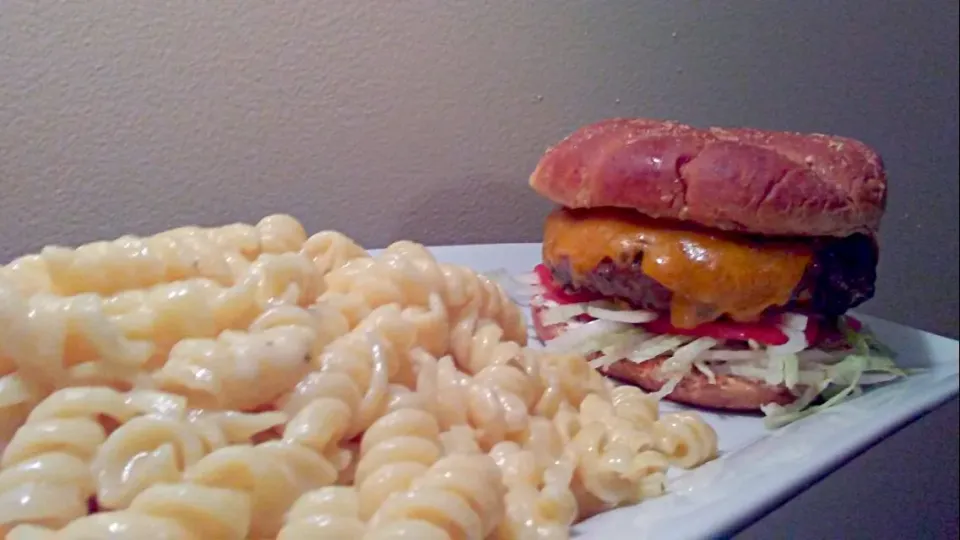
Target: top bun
x=746 y=180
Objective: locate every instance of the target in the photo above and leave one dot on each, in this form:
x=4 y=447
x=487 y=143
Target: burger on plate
x=713 y=267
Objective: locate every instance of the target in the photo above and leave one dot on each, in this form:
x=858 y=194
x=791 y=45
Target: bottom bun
x=727 y=392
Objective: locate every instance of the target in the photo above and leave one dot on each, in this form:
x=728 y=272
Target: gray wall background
x=422 y=119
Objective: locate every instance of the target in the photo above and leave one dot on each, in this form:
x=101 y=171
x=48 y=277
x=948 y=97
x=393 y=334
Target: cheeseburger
x=713 y=267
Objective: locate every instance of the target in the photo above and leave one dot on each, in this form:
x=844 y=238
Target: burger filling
x=634 y=288
x=699 y=275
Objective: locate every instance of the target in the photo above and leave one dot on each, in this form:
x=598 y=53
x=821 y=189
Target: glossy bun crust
x=728 y=393
x=746 y=180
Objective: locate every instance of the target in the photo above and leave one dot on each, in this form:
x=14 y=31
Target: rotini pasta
x=169 y=512
x=237 y=490
x=130 y=262
x=594 y=409
x=634 y=405
x=330 y=250
x=238 y=370
x=328 y=513
x=407 y=274
x=271 y=475
x=351 y=387
x=397 y=449
x=45 y=477
x=686 y=439
x=43 y=334
x=539 y=502
x=251 y=383
x=45 y=339
x=610 y=470
x=461 y=495
x=457 y=400
x=149 y=450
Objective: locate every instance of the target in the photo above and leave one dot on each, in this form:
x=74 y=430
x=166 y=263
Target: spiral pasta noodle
x=45 y=339
x=272 y=475
x=166 y=511
x=45 y=477
x=542 y=381
x=539 y=502
x=457 y=399
x=398 y=448
x=520 y=388
x=42 y=336
x=135 y=326
x=634 y=405
x=461 y=495
x=350 y=390
x=149 y=450
x=130 y=262
x=612 y=468
x=238 y=370
x=686 y=439
x=234 y=491
x=407 y=274
x=327 y=513
x=330 y=250
x=253 y=383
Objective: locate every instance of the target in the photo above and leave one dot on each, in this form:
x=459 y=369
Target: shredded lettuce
x=684 y=358
x=871 y=363
x=598 y=309
x=657 y=346
x=791 y=371
x=855 y=366
x=702 y=367
x=774 y=373
x=667 y=387
x=864 y=341
x=813 y=374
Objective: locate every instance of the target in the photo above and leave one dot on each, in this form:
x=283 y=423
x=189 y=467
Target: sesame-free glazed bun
x=746 y=180
x=726 y=393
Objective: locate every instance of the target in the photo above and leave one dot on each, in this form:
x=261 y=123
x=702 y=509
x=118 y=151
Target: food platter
x=285 y=402
x=758 y=469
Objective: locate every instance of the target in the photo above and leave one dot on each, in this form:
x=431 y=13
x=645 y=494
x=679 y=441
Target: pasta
x=459 y=400
x=44 y=472
x=327 y=513
x=539 y=501
x=350 y=390
x=44 y=334
x=686 y=439
x=254 y=383
x=129 y=262
x=542 y=382
x=272 y=475
x=461 y=495
x=330 y=250
x=612 y=467
x=149 y=450
x=407 y=274
x=238 y=370
x=49 y=342
x=166 y=511
x=634 y=405
x=397 y=449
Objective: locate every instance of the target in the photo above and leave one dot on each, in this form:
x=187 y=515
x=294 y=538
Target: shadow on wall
x=462 y=213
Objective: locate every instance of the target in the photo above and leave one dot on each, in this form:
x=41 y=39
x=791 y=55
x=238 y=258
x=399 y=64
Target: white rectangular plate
x=759 y=469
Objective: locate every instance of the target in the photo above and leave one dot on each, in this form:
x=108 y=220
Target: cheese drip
x=709 y=273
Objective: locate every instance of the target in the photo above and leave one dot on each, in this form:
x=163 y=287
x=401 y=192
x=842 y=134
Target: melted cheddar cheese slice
x=709 y=273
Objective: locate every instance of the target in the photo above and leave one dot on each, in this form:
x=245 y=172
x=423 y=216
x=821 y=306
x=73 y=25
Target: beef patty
x=841 y=276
